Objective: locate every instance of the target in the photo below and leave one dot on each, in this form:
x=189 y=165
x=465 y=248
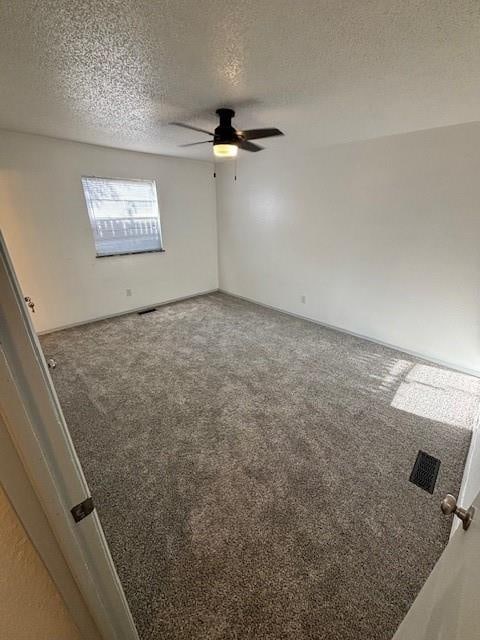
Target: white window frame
x=94 y=221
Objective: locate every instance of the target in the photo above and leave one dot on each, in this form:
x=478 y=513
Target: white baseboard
x=126 y=312
x=415 y=354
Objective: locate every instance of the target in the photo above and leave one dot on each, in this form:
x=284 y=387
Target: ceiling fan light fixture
x=225 y=150
x=226 y=139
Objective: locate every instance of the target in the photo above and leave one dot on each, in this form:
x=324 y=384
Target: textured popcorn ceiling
x=325 y=71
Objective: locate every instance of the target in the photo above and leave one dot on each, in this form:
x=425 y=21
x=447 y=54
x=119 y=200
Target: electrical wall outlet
x=303 y=299
x=128 y=292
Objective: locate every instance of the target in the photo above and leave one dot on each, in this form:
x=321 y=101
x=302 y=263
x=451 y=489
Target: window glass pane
x=123 y=215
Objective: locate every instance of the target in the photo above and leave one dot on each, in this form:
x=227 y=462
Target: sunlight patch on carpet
x=437 y=394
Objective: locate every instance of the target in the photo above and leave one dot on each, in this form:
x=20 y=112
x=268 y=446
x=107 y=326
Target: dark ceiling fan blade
x=192 y=144
x=187 y=126
x=255 y=134
x=249 y=146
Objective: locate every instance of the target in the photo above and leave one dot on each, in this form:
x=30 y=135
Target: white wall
x=382 y=237
x=47 y=230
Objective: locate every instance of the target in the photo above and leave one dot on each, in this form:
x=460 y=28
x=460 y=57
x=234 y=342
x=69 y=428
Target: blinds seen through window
x=123 y=215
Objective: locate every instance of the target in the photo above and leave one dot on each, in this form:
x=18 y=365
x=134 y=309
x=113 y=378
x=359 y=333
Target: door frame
x=19 y=491
x=37 y=428
x=470 y=485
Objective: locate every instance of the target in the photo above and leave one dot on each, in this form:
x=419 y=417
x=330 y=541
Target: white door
x=448 y=606
x=36 y=425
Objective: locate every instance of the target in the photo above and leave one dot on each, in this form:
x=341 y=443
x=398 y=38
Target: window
x=123 y=215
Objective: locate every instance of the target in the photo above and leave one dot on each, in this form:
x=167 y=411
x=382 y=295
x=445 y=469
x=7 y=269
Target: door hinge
x=30 y=303
x=82 y=510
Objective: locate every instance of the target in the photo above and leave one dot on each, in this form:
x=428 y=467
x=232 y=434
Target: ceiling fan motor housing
x=225 y=133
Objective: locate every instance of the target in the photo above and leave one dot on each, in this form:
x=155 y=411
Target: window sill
x=129 y=253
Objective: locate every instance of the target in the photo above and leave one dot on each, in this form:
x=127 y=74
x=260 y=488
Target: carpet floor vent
x=425 y=471
x=144 y=311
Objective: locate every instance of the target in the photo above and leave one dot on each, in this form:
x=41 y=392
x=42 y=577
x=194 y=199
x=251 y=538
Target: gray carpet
x=251 y=469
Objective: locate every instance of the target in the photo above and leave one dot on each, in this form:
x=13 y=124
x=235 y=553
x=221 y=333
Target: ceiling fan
x=226 y=139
